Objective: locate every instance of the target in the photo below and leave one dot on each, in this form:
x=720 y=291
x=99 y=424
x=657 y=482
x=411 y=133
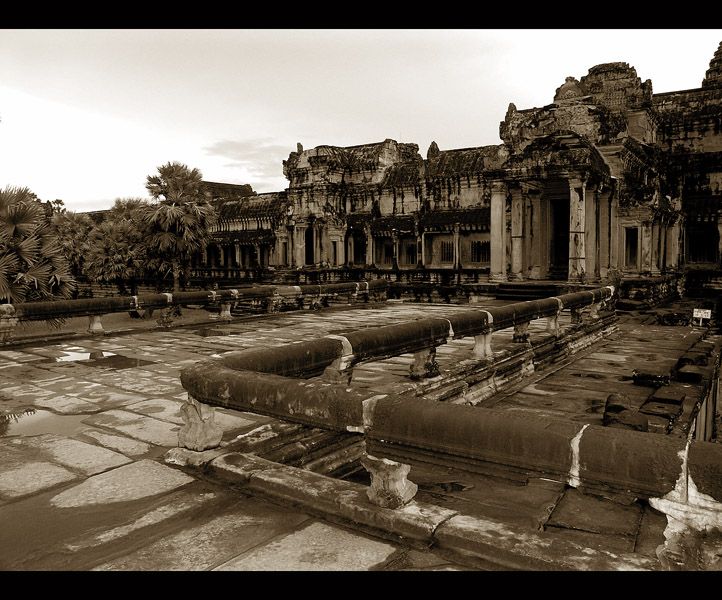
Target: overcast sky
x=86 y=115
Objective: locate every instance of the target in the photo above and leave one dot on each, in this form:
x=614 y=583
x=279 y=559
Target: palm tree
x=180 y=219
x=72 y=230
x=32 y=264
x=117 y=249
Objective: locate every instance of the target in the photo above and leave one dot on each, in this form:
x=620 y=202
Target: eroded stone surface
x=137 y=426
x=122 y=444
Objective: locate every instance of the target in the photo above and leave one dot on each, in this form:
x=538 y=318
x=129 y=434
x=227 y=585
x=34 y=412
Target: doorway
x=559 y=240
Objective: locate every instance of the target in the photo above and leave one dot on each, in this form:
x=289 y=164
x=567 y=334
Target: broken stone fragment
x=198 y=432
x=389 y=486
x=618 y=413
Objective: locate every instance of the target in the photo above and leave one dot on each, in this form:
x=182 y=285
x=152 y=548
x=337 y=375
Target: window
x=631 y=243
x=410 y=254
x=480 y=251
x=447 y=252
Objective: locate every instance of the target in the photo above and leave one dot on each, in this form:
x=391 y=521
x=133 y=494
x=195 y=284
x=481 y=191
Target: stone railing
x=270 y=297
x=309 y=383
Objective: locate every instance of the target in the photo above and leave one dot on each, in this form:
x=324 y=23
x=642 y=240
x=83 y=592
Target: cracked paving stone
x=120 y=443
x=31 y=477
x=73 y=454
x=146 y=429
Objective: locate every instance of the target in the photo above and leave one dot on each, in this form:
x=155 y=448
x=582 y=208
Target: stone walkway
x=82 y=482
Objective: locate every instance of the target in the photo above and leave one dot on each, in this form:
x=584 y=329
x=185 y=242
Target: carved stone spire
x=433 y=151
x=713 y=77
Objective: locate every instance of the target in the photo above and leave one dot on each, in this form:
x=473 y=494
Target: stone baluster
x=521 y=333
x=95 y=325
x=8 y=322
x=390 y=487
x=199 y=431
x=424 y=364
x=482 y=346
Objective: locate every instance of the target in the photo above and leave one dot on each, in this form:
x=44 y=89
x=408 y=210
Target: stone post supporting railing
x=95 y=325
x=8 y=322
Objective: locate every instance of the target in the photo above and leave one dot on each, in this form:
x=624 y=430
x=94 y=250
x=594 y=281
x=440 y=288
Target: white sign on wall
x=702 y=313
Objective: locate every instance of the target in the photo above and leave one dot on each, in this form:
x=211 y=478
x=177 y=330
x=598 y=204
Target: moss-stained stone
x=130 y=482
x=318 y=547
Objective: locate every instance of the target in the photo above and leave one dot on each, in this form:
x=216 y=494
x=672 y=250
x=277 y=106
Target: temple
x=607 y=181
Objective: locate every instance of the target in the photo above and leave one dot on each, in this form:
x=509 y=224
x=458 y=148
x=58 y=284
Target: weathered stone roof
x=227 y=190
x=266 y=206
x=713 y=77
x=465 y=161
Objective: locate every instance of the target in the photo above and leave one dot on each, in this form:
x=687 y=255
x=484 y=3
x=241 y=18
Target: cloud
x=261 y=158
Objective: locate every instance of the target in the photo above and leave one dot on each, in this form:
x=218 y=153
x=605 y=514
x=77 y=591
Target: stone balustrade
x=272 y=296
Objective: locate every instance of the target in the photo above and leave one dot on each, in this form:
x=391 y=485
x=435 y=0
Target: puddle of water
x=109 y=360
x=44 y=421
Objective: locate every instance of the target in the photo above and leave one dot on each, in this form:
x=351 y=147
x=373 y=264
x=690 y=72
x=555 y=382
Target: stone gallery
x=609 y=179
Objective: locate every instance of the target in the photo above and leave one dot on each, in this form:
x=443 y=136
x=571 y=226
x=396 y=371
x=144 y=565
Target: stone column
x=204 y=256
x=538 y=255
x=299 y=246
x=604 y=204
x=614 y=261
x=517 y=234
x=577 y=225
x=646 y=242
x=237 y=249
x=221 y=256
x=498 y=232
x=395 y=242
x=591 y=224
x=423 y=249
x=457 y=250
x=369 y=246
x=719 y=229
x=350 y=249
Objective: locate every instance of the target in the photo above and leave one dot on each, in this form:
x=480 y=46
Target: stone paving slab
x=119 y=443
x=130 y=482
x=89 y=459
x=316 y=547
x=207 y=545
x=140 y=427
x=31 y=477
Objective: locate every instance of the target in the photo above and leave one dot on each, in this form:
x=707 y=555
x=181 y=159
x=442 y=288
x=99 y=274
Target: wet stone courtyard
x=83 y=484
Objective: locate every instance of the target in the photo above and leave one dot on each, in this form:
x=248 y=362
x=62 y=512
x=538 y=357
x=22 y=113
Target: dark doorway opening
x=309 y=245
x=559 y=242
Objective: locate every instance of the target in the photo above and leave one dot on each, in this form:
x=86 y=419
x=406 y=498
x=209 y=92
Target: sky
x=86 y=115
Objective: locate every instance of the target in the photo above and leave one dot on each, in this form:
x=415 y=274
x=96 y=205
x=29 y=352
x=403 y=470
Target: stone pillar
x=199 y=431
x=457 y=249
x=517 y=234
x=655 y=262
x=299 y=246
x=673 y=245
x=350 y=249
x=482 y=346
x=498 y=232
x=591 y=225
x=719 y=230
x=395 y=242
x=577 y=225
x=645 y=243
x=204 y=256
x=423 y=250
x=424 y=364
x=369 y=246
x=221 y=256
x=539 y=247
x=604 y=233
x=614 y=254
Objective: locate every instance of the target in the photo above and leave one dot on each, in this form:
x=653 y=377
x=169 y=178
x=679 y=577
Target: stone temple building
x=607 y=180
